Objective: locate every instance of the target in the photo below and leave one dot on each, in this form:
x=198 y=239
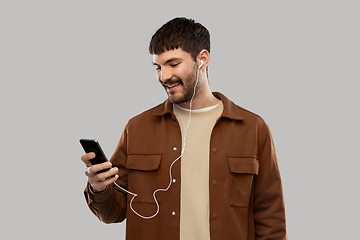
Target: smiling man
x=196 y=166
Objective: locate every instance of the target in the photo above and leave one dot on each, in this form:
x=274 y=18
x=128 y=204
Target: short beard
x=188 y=92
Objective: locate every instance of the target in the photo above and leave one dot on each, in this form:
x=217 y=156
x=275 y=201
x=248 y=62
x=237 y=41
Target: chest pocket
x=243 y=170
x=144 y=176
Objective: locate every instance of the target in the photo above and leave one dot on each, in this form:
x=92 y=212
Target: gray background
x=81 y=69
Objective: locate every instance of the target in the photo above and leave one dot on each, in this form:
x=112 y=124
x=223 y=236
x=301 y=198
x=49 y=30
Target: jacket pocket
x=144 y=176
x=243 y=170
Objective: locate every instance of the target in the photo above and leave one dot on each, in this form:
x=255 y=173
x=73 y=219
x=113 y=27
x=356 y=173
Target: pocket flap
x=240 y=164
x=144 y=162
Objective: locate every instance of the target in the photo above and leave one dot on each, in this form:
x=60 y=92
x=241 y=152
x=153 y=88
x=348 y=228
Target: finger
x=100 y=166
x=88 y=171
x=93 y=170
x=86 y=158
x=100 y=177
x=101 y=185
x=111 y=180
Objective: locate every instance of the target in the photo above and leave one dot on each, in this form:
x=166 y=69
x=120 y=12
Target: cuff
x=98 y=197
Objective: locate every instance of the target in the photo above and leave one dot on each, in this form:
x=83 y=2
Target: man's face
x=177 y=71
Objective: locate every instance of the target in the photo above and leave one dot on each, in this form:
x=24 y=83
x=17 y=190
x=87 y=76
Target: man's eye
x=158 y=68
x=174 y=65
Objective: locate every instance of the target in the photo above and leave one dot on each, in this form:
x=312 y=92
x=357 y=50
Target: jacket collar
x=230 y=109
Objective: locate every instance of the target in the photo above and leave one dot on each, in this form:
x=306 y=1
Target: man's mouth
x=172 y=85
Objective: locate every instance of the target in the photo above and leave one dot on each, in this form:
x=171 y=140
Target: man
x=196 y=166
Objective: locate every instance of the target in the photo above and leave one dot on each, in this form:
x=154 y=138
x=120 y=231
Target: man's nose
x=165 y=75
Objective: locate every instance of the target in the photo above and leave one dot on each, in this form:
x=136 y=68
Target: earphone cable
x=172 y=164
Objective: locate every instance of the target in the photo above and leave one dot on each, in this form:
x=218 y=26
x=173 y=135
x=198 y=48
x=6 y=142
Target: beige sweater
x=194 y=216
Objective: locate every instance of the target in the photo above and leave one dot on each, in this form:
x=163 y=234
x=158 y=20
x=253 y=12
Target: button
x=215 y=150
x=173 y=213
x=175 y=148
x=215 y=215
x=174 y=180
x=215 y=182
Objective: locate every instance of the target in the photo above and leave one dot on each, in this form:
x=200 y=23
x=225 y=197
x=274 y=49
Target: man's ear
x=205 y=57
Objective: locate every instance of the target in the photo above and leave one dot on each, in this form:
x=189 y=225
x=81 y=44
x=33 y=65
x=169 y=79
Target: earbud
x=202 y=63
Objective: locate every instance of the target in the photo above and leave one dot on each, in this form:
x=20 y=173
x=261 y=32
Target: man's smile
x=171 y=85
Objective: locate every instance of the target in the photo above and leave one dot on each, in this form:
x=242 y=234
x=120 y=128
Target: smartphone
x=92 y=145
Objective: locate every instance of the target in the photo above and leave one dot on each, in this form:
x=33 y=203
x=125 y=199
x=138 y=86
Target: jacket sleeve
x=269 y=206
x=110 y=205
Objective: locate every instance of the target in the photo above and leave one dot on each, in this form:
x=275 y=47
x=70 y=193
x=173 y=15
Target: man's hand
x=99 y=182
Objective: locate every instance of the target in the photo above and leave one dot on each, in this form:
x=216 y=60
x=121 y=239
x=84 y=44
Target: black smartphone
x=92 y=145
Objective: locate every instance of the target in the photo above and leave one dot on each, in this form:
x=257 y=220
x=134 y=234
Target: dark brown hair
x=181 y=33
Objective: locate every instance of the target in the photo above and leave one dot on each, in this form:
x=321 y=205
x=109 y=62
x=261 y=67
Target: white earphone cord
x=182 y=152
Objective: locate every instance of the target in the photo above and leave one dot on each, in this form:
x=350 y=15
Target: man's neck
x=201 y=100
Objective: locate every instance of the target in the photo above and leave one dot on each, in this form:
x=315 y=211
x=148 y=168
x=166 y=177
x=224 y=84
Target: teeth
x=174 y=85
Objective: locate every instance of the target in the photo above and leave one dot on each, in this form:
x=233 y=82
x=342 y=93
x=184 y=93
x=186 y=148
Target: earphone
x=182 y=152
x=202 y=63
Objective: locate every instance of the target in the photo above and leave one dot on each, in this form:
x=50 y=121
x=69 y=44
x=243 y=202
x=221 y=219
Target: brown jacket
x=246 y=197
